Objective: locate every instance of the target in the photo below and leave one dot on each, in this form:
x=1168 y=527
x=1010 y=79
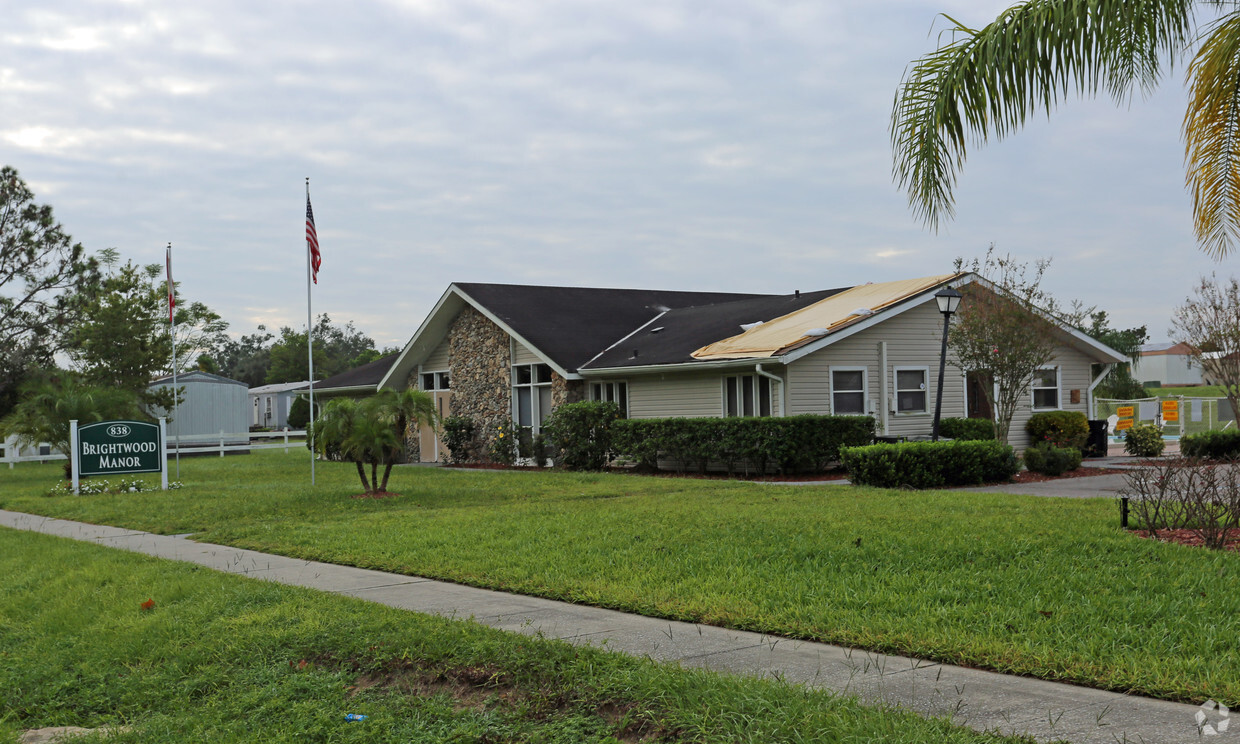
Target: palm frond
x=986 y=83
x=1212 y=137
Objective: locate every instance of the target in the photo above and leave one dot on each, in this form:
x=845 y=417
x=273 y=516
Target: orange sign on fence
x=1123 y=424
x=1125 y=412
x=1170 y=410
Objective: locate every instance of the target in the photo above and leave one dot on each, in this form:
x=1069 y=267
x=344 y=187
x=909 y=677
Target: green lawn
x=1044 y=587
x=1198 y=391
x=221 y=658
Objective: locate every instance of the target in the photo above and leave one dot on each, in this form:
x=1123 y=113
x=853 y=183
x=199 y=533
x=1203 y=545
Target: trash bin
x=1096 y=444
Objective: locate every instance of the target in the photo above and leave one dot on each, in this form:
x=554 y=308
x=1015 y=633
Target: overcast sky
x=728 y=145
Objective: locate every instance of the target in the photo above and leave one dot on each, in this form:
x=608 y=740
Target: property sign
x=115 y=447
x=1170 y=410
x=1123 y=424
x=1125 y=411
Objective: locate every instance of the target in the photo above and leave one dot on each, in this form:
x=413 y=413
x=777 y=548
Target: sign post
x=118 y=447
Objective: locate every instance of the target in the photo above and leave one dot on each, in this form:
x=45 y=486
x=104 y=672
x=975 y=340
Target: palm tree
x=372 y=431
x=987 y=82
x=404 y=409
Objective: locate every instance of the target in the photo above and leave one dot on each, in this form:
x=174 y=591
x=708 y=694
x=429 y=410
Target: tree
x=335 y=348
x=47 y=407
x=42 y=275
x=371 y=431
x=1127 y=341
x=246 y=360
x=988 y=82
x=1209 y=324
x=1005 y=334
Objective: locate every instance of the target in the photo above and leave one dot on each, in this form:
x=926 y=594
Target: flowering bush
x=504 y=444
x=1144 y=440
x=91 y=487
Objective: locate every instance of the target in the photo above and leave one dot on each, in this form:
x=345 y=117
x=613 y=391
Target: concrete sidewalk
x=982 y=700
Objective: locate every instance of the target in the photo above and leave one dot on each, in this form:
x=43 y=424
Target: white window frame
x=1033 y=388
x=895 y=387
x=615 y=396
x=534 y=386
x=865 y=388
x=757 y=395
x=438 y=377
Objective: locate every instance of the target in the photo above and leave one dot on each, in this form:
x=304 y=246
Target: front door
x=430 y=447
x=979 y=406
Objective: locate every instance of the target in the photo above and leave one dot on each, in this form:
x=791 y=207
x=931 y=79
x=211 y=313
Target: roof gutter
x=758 y=368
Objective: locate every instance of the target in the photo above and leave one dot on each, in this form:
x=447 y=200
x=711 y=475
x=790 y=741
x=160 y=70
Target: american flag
x=172 y=298
x=312 y=241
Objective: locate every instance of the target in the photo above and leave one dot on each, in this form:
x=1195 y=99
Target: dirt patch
x=375 y=495
x=64 y=733
x=1187 y=537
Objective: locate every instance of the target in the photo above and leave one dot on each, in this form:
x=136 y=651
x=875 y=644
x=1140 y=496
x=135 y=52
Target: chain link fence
x=1177 y=415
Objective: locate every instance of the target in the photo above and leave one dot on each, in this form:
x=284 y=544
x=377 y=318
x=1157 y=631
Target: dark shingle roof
x=682 y=331
x=573 y=324
x=367 y=374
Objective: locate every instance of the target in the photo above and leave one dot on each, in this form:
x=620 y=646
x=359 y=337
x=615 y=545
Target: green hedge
x=1215 y=445
x=788 y=444
x=1059 y=428
x=1048 y=460
x=581 y=434
x=930 y=464
x=967 y=429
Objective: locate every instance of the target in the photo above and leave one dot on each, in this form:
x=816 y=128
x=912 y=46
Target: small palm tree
x=987 y=82
x=372 y=431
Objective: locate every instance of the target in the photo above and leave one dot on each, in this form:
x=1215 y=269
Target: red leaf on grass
x=148 y=605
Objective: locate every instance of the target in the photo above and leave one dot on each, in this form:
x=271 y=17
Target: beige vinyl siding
x=437 y=360
x=522 y=355
x=1073 y=375
x=913 y=339
x=683 y=394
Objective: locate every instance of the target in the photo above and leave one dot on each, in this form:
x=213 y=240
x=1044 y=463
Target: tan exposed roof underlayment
x=822 y=318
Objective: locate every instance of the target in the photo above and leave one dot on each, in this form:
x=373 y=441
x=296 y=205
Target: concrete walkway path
x=982 y=700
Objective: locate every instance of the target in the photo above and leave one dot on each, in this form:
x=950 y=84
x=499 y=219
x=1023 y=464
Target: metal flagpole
x=172 y=331
x=311 y=232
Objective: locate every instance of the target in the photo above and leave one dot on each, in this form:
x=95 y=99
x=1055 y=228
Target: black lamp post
x=949 y=301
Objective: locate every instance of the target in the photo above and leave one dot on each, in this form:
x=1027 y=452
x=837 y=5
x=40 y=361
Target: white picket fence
x=196 y=444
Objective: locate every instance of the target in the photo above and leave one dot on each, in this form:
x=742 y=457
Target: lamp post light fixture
x=948 y=300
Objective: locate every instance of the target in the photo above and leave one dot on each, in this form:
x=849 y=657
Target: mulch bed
x=1186 y=537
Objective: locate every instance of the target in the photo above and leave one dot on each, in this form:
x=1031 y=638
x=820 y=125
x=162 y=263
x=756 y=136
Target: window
x=747 y=395
x=1046 y=388
x=911 y=384
x=531 y=394
x=847 y=390
x=435 y=381
x=612 y=392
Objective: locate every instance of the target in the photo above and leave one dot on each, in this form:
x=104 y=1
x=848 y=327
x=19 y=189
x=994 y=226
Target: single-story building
x=270 y=404
x=210 y=404
x=499 y=352
x=1166 y=365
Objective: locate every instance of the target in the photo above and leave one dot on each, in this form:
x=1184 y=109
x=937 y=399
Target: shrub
x=788 y=444
x=1059 y=428
x=581 y=434
x=299 y=413
x=458 y=437
x=504 y=443
x=967 y=429
x=1203 y=498
x=1144 y=440
x=930 y=464
x=1214 y=445
x=1048 y=460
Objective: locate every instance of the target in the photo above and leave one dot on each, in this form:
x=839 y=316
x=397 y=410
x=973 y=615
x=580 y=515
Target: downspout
x=1090 y=396
x=884 y=402
x=778 y=379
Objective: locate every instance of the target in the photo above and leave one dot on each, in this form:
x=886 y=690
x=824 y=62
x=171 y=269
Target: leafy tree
x=987 y=82
x=1209 y=324
x=246 y=359
x=42 y=276
x=1005 y=334
x=335 y=349
x=371 y=431
x=47 y=407
x=1127 y=341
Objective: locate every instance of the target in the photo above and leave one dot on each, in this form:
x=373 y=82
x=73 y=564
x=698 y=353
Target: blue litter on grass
x=355 y=717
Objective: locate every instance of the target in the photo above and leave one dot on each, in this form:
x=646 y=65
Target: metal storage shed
x=210 y=404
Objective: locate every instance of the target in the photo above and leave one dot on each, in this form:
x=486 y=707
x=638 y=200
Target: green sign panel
x=114 y=447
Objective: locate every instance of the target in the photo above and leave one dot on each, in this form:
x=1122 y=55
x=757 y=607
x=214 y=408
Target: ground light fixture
x=948 y=300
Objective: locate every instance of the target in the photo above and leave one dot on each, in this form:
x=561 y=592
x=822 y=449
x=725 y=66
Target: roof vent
x=634 y=353
x=656 y=330
x=747 y=326
x=797 y=294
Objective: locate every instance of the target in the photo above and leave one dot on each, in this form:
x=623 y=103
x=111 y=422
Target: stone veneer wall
x=413 y=438
x=479 y=358
x=566 y=391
